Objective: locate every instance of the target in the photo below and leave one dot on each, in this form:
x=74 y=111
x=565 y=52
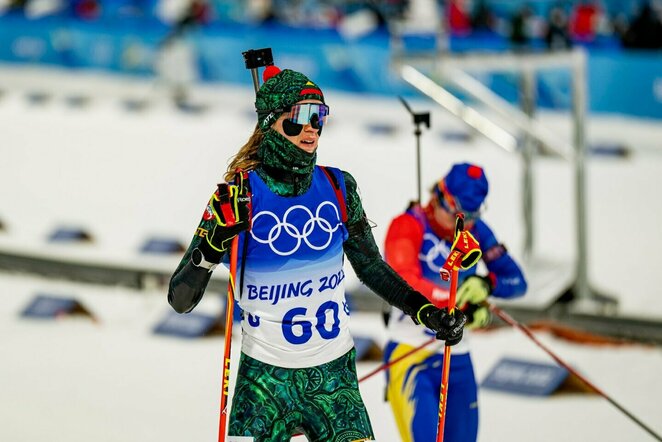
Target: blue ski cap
x=467 y=185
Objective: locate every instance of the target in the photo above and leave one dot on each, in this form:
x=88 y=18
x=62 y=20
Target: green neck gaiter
x=287 y=170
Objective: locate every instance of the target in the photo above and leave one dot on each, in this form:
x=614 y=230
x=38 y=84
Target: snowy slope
x=76 y=380
x=125 y=176
x=128 y=176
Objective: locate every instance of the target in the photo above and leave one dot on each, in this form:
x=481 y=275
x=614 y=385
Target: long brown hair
x=246 y=158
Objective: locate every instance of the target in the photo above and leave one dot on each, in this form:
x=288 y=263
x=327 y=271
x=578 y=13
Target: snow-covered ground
x=113 y=380
x=126 y=176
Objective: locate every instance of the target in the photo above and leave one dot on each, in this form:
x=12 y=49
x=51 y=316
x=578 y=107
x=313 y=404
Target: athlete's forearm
x=363 y=254
x=188 y=282
x=366 y=260
x=187 y=286
x=434 y=293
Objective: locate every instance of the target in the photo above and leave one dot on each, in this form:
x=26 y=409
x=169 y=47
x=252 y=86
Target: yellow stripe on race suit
x=400 y=391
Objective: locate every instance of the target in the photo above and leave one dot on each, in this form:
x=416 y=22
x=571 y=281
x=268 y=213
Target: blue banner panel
x=69 y=234
x=162 y=245
x=188 y=325
x=619 y=81
x=627 y=83
x=523 y=377
x=29 y=41
x=50 y=307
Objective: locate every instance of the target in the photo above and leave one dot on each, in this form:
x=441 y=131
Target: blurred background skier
x=416 y=246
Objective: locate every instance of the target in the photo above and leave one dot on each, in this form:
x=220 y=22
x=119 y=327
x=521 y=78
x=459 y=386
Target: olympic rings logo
x=438 y=249
x=285 y=227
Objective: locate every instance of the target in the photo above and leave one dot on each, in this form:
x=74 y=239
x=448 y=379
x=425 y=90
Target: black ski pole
x=509 y=320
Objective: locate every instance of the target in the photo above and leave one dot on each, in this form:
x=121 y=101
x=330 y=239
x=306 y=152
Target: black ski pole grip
x=459 y=224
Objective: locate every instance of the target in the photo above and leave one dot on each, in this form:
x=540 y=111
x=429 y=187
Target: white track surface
x=126 y=176
x=74 y=380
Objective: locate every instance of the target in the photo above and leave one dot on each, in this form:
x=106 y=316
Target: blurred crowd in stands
x=551 y=24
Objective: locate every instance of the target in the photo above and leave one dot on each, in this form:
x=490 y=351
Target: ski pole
x=253 y=59
x=443 y=394
x=229 y=316
x=388 y=364
x=509 y=320
x=450 y=268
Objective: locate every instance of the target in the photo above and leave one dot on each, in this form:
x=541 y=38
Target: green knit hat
x=280 y=90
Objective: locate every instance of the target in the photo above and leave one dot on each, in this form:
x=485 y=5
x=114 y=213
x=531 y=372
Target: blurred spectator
x=557 y=36
x=15 y=6
x=359 y=23
x=377 y=12
x=583 y=22
x=365 y=16
x=311 y=14
x=394 y=9
x=260 y=11
x=519 y=35
x=34 y=9
x=86 y=9
x=602 y=22
x=195 y=13
x=176 y=64
x=482 y=19
x=459 y=21
x=83 y=9
x=645 y=31
x=620 y=25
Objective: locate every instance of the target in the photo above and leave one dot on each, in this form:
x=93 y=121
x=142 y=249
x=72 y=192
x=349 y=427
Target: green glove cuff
x=418 y=314
x=473 y=290
x=481 y=318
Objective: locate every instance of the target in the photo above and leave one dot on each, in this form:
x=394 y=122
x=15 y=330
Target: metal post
x=528 y=97
x=418 y=132
x=256 y=79
x=419 y=118
x=579 y=93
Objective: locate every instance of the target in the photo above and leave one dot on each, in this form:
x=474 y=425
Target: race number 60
x=299 y=331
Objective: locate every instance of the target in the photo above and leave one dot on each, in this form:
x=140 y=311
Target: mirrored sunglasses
x=453 y=208
x=313 y=113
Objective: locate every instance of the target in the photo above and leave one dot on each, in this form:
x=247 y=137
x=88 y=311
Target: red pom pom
x=269 y=72
x=474 y=172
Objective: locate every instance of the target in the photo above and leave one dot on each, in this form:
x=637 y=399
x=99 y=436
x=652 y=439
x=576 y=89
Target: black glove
x=230 y=207
x=449 y=327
